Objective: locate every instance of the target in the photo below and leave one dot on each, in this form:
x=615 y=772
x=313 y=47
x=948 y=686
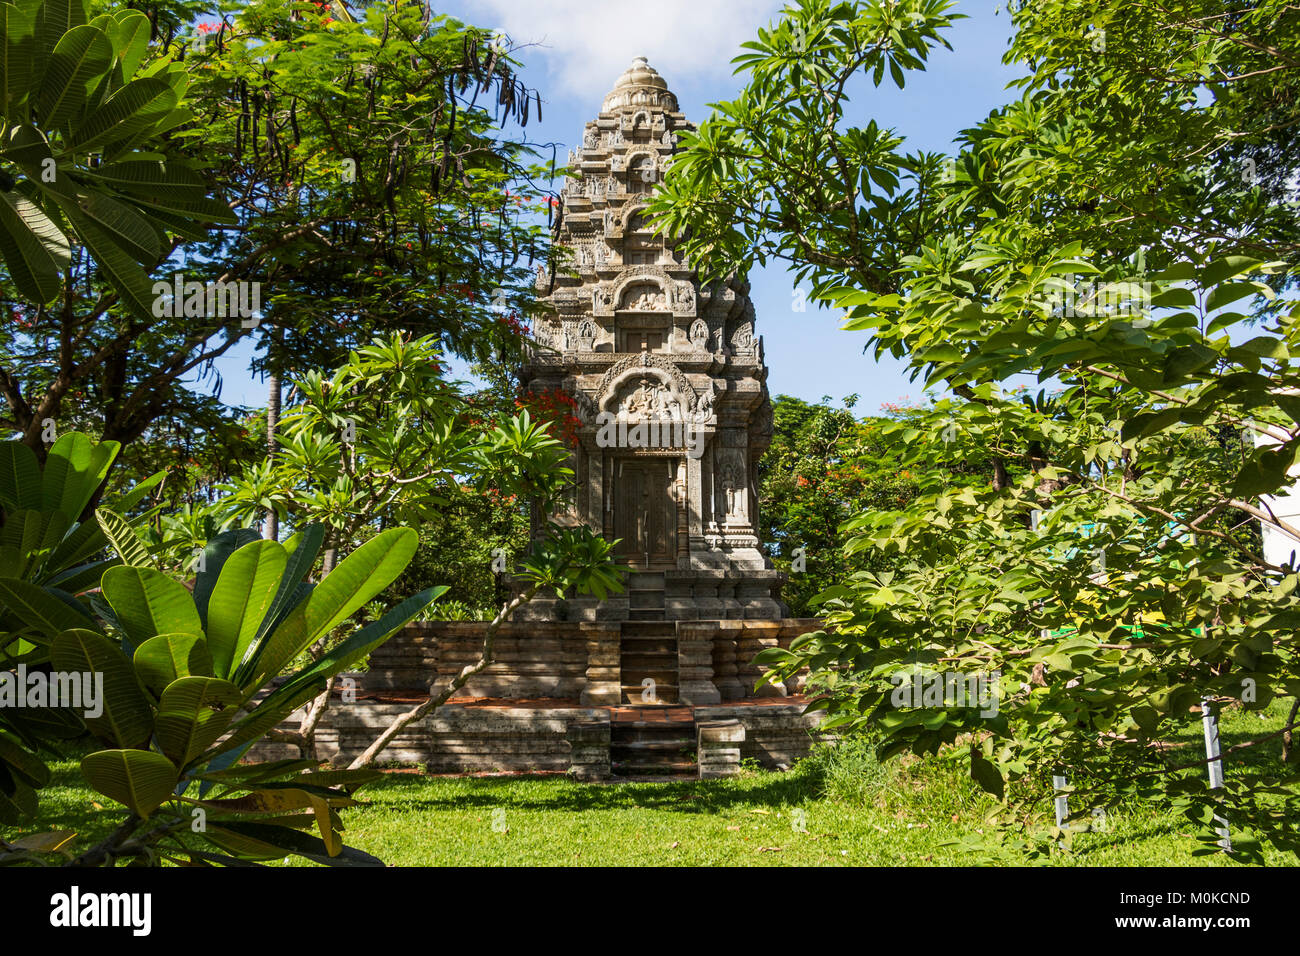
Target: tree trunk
x=271 y=524
x=455 y=684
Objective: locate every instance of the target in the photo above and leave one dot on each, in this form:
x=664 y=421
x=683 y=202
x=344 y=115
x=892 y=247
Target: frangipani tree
x=1096 y=240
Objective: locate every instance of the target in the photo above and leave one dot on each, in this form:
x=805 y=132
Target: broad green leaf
x=359 y=577
x=123 y=538
x=148 y=603
x=138 y=779
x=168 y=657
x=38 y=609
x=241 y=600
x=20 y=477
x=127 y=719
x=192 y=713
x=80 y=55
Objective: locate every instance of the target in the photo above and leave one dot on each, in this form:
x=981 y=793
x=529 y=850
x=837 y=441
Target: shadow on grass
x=768 y=788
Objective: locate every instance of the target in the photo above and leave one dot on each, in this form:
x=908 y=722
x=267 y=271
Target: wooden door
x=645 y=515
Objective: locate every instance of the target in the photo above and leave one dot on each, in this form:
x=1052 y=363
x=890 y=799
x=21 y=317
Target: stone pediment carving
x=644 y=297
x=637 y=367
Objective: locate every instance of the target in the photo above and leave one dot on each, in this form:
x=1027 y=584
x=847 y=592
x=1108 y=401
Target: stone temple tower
x=667 y=376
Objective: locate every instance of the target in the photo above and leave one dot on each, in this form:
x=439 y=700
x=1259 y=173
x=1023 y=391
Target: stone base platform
x=552 y=735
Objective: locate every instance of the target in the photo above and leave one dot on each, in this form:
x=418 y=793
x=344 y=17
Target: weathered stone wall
x=531 y=659
x=775 y=735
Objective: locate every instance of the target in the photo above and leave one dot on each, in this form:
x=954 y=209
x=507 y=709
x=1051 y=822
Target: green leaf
x=123 y=538
x=20 y=477
x=148 y=603
x=358 y=578
x=163 y=659
x=38 y=609
x=215 y=554
x=129 y=111
x=81 y=54
x=244 y=593
x=127 y=719
x=16 y=79
x=138 y=779
x=192 y=713
x=34 y=249
x=74 y=468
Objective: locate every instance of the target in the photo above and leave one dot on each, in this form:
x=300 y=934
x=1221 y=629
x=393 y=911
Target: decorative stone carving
x=733 y=487
x=621 y=368
x=704 y=408
x=699 y=335
x=684 y=297
x=643 y=298
x=632 y=290
x=649 y=399
x=743 y=338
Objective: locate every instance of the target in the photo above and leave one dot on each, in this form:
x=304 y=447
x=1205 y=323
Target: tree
x=1102 y=572
x=87 y=153
x=387 y=440
x=824 y=466
x=359 y=162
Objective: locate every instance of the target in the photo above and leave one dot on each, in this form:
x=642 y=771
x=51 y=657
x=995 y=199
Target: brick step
x=645 y=614
x=662 y=652
x=646 y=581
x=648 y=629
x=672 y=744
x=664 y=693
x=658 y=672
x=680 y=769
x=659 y=646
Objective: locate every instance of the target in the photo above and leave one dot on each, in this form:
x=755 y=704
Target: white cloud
x=587 y=44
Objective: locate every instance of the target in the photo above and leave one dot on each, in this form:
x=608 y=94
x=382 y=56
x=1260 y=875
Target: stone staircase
x=647 y=645
x=661 y=750
x=645 y=596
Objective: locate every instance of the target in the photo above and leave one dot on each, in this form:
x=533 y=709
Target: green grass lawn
x=839 y=808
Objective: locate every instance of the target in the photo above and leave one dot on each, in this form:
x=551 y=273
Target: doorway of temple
x=645 y=513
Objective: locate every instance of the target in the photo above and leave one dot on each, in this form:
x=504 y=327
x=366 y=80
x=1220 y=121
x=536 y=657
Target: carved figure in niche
x=704 y=408
x=651 y=399
x=650 y=300
x=586 y=335
x=616 y=164
x=601 y=299
x=733 y=491
x=699 y=335
x=639 y=118
x=744 y=337
x=684 y=297
x=591 y=137
x=616 y=138
x=669 y=139
x=601 y=254
x=609 y=221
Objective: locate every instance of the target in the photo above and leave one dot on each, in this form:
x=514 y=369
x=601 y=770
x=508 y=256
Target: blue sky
x=574 y=50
